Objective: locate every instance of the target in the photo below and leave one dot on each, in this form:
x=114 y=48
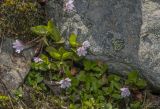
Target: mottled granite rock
x=13 y=67
x=124 y=33
x=149 y=48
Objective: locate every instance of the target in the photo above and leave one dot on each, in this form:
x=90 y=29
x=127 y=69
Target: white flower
x=86 y=44
x=18 y=46
x=68 y=5
x=65 y=83
x=81 y=51
x=125 y=92
x=37 y=59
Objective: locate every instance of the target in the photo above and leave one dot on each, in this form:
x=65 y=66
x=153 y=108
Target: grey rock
x=149 y=48
x=13 y=67
x=124 y=33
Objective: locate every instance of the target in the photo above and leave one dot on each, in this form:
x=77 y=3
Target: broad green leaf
x=52 y=66
x=61 y=51
x=75 y=82
x=115 y=84
x=113 y=78
x=40 y=30
x=82 y=76
x=135 y=105
x=39 y=79
x=108 y=90
x=89 y=65
x=109 y=106
x=116 y=96
x=141 y=83
x=61 y=41
x=73 y=40
x=44 y=58
x=95 y=84
x=133 y=76
x=67 y=55
x=53 y=31
x=53 y=53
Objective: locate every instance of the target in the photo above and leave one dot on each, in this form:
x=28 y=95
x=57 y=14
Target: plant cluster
x=82 y=83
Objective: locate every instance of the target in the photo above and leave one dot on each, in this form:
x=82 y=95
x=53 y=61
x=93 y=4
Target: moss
x=17 y=16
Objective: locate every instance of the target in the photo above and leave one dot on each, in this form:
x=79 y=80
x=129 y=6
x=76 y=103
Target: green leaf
x=40 y=30
x=115 y=84
x=141 y=83
x=53 y=31
x=95 y=84
x=133 y=76
x=39 y=79
x=61 y=41
x=62 y=51
x=82 y=76
x=52 y=66
x=73 y=40
x=108 y=90
x=116 y=96
x=135 y=105
x=75 y=82
x=113 y=78
x=89 y=65
x=109 y=106
x=53 y=53
x=67 y=55
x=44 y=58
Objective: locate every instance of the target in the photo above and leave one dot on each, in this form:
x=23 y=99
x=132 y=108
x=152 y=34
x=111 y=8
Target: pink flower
x=68 y=5
x=65 y=83
x=18 y=46
x=37 y=59
x=81 y=51
x=125 y=92
x=86 y=44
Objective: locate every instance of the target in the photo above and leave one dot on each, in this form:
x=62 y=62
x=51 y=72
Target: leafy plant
x=91 y=85
x=48 y=31
x=135 y=80
x=34 y=79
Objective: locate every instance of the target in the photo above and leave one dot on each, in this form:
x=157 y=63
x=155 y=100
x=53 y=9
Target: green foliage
x=91 y=85
x=73 y=40
x=50 y=31
x=40 y=30
x=34 y=79
x=18 y=93
x=53 y=31
x=135 y=105
x=61 y=54
x=134 y=80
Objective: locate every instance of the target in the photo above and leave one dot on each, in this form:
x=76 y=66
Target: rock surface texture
x=13 y=67
x=124 y=33
x=149 y=48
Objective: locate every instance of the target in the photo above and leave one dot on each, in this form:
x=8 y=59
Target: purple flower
x=65 y=83
x=81 y=51
x=125 y=92
x=68 y=5
x=18 y=46
x=86 y=44
x=37 y=59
